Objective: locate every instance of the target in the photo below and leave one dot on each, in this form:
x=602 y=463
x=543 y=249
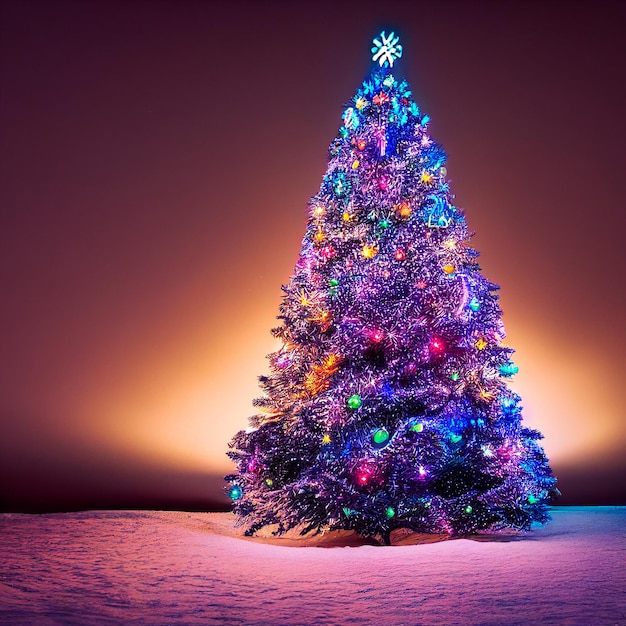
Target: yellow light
x=326 y=439
x=360 y=103
x=318 y=211
x=448 y=269
x=346 y=216
x=369 y=251
x=426 y=177
x=319 y=236
x=304 y=299
x=355 y=164
x=481 y=344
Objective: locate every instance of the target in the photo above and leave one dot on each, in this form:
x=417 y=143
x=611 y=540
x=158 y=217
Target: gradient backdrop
x=156 y=161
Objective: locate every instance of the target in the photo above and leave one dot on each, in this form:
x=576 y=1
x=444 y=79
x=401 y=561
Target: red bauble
x=399 y=254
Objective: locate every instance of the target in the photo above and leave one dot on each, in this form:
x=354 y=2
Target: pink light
x=328 y=252
x=376 y=335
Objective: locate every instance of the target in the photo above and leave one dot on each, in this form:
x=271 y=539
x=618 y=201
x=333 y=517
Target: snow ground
x=154 y=567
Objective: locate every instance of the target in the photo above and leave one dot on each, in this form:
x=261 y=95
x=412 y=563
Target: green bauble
x=380 y=436
x=354 y=402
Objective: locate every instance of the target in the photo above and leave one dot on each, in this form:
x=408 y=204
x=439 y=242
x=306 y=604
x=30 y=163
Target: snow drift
x=153 y=567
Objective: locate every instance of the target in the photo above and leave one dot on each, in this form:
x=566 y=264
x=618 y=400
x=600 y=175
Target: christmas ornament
x=354 y=401
x=399 y=254
x=380 y=436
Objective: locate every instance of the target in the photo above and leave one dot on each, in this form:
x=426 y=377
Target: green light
x=455 y=376
x=532 y=499
x=384 y=224
x=474 y=304
x=354 y=402
x=468 y=509
x=455 y=438
x=347 y=512
x=417 y=428
x=380 y=436
x=269 y=482
x=333 y=282
x=390 y=512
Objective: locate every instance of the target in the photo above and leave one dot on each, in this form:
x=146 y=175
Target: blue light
x=474 y=304
x=235 y=492
x=386 y=49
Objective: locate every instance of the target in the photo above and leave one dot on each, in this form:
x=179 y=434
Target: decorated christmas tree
x=387 y=405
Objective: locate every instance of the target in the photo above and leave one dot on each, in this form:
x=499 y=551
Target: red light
x=437 y=345
x=364 y=474
x=399 y=255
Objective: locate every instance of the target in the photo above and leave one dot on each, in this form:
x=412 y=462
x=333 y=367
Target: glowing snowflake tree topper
x=386 y=49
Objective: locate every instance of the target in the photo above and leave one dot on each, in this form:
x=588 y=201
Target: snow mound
x=155 y=567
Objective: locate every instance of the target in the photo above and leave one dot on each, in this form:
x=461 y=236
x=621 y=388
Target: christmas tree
x=387 y=404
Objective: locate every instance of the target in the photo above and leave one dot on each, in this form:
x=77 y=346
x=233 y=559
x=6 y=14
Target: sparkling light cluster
x=387 y=405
